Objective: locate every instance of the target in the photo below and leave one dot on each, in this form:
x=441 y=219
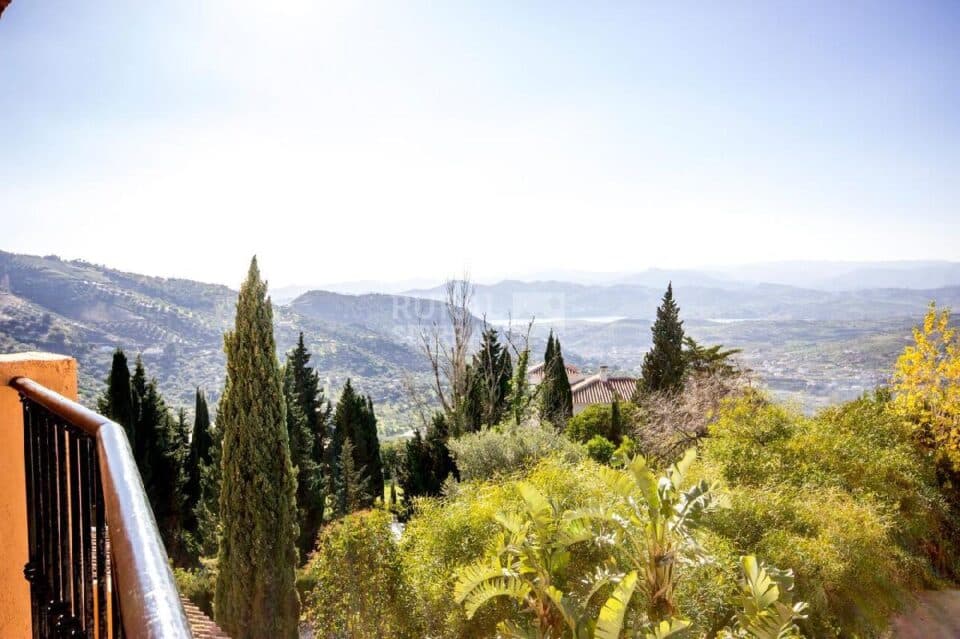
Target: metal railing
x=97 y=567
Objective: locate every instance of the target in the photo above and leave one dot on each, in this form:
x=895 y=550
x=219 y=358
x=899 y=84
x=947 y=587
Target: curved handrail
x=150 y=605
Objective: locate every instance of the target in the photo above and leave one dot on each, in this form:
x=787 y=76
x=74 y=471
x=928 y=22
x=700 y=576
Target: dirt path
x=936 y=616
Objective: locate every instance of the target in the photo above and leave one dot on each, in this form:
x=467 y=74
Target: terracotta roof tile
x=595 y=390
x=535 y=373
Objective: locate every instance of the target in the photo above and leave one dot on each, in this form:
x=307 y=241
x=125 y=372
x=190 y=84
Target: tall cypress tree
x=256 y=592
x=556 y=397
x=616 y=422
x=138 y=387
x=117 y=401
x=664 y=364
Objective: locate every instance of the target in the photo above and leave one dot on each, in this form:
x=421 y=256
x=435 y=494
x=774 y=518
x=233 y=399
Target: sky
x=390 y=140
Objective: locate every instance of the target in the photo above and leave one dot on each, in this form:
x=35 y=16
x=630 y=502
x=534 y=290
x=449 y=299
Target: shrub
x=197 y=585
x=844 y=498
x=448 y=533
x=600 y=449
x=354 y=583
x=504 y=450
x=597 y=419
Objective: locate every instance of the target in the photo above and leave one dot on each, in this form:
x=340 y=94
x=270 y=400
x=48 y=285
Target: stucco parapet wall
x=59 y=374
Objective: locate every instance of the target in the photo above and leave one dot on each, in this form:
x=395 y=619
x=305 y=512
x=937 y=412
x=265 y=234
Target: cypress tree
x=117 y=401
x=616 y=422
x=372 y=444
x=519 y=398
x=556 y=397
x=549 y=352
x=256 y=592
x=198 y=458
x=664 y=364
x=138 y=387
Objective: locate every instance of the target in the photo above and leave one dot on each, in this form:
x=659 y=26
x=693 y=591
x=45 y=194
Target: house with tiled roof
x=601 y=389
x=589 y=389
x=535 y=373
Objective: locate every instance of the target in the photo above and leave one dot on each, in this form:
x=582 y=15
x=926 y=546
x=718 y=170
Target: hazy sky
x=348 y=140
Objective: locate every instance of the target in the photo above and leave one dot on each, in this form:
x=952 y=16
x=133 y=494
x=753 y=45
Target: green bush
x=445 y=534
x=197 y=585
x=600 y=449
x=353 y=582
x=596 y=419
x=843 y=498
x=508 y=449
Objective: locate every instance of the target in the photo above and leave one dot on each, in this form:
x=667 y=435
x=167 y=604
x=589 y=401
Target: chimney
x=603 y=373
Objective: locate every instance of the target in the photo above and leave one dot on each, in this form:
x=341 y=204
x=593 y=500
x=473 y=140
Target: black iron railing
x=97 y=567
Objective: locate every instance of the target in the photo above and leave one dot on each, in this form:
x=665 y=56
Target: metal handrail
x=150 y=605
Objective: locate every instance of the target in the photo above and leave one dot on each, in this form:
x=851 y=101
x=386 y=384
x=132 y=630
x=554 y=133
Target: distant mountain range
x=817 y=275
x=563 y=300
x=822 y=343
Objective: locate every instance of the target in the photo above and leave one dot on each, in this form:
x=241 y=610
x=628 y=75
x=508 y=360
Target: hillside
x=86 y=311
x=385 y=313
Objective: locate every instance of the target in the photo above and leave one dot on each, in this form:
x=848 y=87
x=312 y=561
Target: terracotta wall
x=58 y=373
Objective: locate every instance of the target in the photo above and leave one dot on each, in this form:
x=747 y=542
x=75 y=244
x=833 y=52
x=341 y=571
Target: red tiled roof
x=201 y=625
x=535 y=373
x=594 y=390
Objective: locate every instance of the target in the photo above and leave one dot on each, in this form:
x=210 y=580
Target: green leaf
x=610 y=620
x=504 y=587
x=668 y=628
x=679 y=470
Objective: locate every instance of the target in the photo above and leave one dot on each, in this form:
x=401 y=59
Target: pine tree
x=352 y=485
x=354 y=420
x=117 y=401
x=307 y=444
x=427 y=462
x=160 y=442
x=301 y=455
x=416 y=462
x=255 y=594
x=664 y=365
x=208 y=509
x=441 y=464
x=491 y=371
x=556 y=396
